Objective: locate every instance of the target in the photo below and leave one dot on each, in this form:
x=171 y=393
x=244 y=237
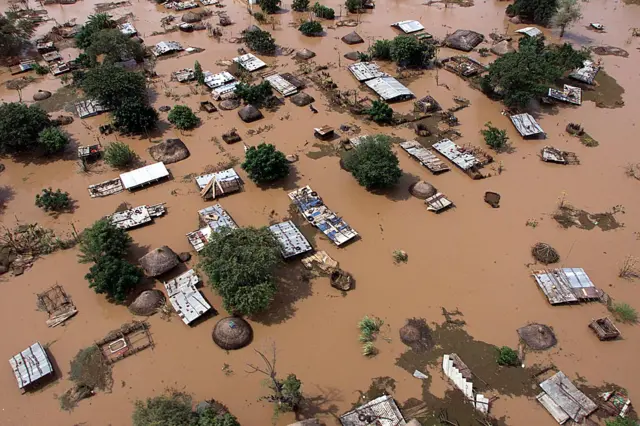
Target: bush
x=260 y=41
x=373 y=163
x=310 y=28
x=369 y=349
x=290 y=393
x=134 y=116
x=537 y=11
x=182 y=117
x=114 y=47
x=381 y=49
x=240 y=265
x=20 y=126
x=53 y=200
x=380 y=112
x=507 y=357
x=409 y=51
x=323 y=11
x=103 y=239
x=40 y=70
x=118 y=155
x=254 y=94
x=621 y=421
x=269 y=6
x=369 y=328
x=173 y=409
x=624 y=312
x=89 y=368
x=353 y=6
x=197 y=70
x=400 y=256
x=114 y=276
x=260 y=17
x=497 y=139
x=300 y=5
x=265 y=163
x=53 y=140
x=210 y=417
x=94 y=24
x=111 y=85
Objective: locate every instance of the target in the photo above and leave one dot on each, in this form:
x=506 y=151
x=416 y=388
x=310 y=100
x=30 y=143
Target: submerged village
x=255 y=212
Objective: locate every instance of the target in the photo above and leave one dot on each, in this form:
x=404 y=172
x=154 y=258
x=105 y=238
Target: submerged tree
x=496 y=138
x=381 y=49
x=265 y=163
x=568 y=13
x=14 y=35
x=411 y=52
x=114 y=46
x=260 y=41
x=300 y=5
x=286 y=393
x=95 y=23
x=310 y=28
x=380 y=112
x=53 y=140
x=134 y=116
x=353 y=6
x=113 y=276
x=537 y=11
x=111 y=85
x=118 y=154
x=102 y=239
x=50 y=200
x=373 y=163
x=256 y=94
x=20 y=126
x=183 y=118
x=269 y=6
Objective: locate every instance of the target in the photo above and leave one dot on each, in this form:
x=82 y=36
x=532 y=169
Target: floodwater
x=473 y=258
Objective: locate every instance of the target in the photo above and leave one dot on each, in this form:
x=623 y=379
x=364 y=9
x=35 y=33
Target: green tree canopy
x=381 y=49
x=265 y=163
x=103 y=239
x=118 y=154
x=537 y=11
x=410 y=52
x=173 y=409
x=495 y=138
x=53 y=140
x=115 y=46
x=182 y=117
x=568 y=13
x=95 y=23
x=114 y=277
x=256 y=94
x=380 y=112
x=373 y=163
x=197 y=70
x=353 y=6
x=112 y=85
x=300 y=5
x=211 y=417
x=323 y=12
x=20 y=126
x=260 y=41
x=50 y=200
x=310 y=28
x=269 y=6
x=14 y=35
x=134 y=116
x=240 y=264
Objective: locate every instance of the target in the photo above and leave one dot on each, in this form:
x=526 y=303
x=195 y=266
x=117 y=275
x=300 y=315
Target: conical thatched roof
x=304 y=54
x=169 y=151
x=302 y=99
x=250 y=113
x=191 y=17
x=352 y=56
x=417 y=335
x=147 y=303
x=464 y=40
x=352 y=38
x=537 y=336
x=544 y=253
x=232 y=333
x=502 y=48
x=41 y=95
x=251 y=28
x=159 y=261
x=422 y=190
x=229 y=104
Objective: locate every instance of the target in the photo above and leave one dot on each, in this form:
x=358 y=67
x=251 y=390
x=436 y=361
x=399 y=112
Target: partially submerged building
x=315 y=212
x=569 y=94
x=185 y=298
x=212 y=219
x=165 y=47
x=89 y=108
x=128 y=29
x=31 y=365
x=382 y=411
x=250 y=62
x=184 y=75
x=566 y=285
x=214 y=185
x=137 y=216
x=217 y=80
x=424 y=156
x=144 y=176
x=564 y=401
x=457 y=155
x=530 y=31
x=281 y=85
x=550 y=154
x=364 y=71
x=462 y=377
x=389 y=89
x=225 y=91
x=463 y=66
x=526 y=125
x=408 y=27
x=586 y=74
x=292 y=242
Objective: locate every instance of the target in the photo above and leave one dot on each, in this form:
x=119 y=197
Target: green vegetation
x=369 y=349
x=536 y=11
x=323 y=12
x=240 y=264
x=182 y=117
x=134 y=116
x=507 y=357
x=103 y=239
x=114 y=277
x=400 y=256
x=495 y=138
x=112 y=46
x=265 y=164
x=53 y=140
x=300 y=5
x=260 y=41
x=260 y=17
x=290 y=394
x=40 y=70
x=111 y=85
x=94 y=24
x=353 y=6
x=269 y=6
x=568 y=13
x=407 y=51
x=310 y=28
x=256 y=94
x=373 y=163
x=50 y=200
x=118 y=154
x=369 y=329
x=621 y=421
x=381 y=49
x=20 y=127
x=88 y=368
x=380 y=112
x=197 y=70
x=624 y=312
x=14 y=34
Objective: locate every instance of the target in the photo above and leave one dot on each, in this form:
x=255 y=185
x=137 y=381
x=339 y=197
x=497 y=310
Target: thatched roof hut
x=502 y=48
x=352 y=38
x=41 y=95
x=352 y=56
x=229 y=104
x=417 y=335
x=301 y=99
x=191 y=17
x=159 y=261
x=147 y=303
x=464 y=40
x=232 y=333
x=544 y=253
x=250 y=113
x=537 y=336
x=304 y=54
x=422 y=190
x=169 y=151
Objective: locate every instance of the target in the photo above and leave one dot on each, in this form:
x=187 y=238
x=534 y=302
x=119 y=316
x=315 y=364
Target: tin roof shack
x=213 y=185
x=462 y=377
x=463 y=66
x=224 y=92
x=527 y=126
x=137 y=216
x=89 y=152
x=324 y=132
x=292 y=242
x=296 y=82
x=52 y=56
x=586 y=74
x=165 y=47
x=364 y=71
x=389 y=89
x=469 y=159
x=281 y=85
x=408 y=27
x=105 y=188
x=566 y=285
x=250 y=62
x=24 y=66
x=217 y=80
x=60 y=68
x=570 y=94
x=604 y=328
x=144 y=176
x=530 y=31
x=31 y=365
x=313 y=209
x=424 y=156
x=563 y=400
x=89 y=108
x=550 y=154
x=381 y=411
x=128 y=29
x=212 y=219
x=616 y=403
x=184 y=75
x=185 y=298
x=45 y=47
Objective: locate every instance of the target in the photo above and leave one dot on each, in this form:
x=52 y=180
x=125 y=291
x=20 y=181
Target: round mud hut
x=464 y=40
x=352 y=38
x=229 y=104
x=538 y=337
x=169 y=151
x=304 y=54
x=191 y=17
x=422 y=190
x=544 y=253
x=232 y=333
x=159 y=261
x=502 y=48
x=249 y=114
x=147 y=303
x=352 y=56
x=41 y=95
x=302 y=99
x=417 y=335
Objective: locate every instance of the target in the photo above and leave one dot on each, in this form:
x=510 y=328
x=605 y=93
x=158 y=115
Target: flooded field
x=472 y=259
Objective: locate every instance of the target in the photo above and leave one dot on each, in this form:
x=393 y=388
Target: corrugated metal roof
x=587 y=73
x=221 y=91
x=424 y=156
x=185 y=74
x=224 y=175
x=530 y=31
x=526 y=125
x=292 y=242
x=356 y=141
x=364 y=71
x=185 y=298
x=128 y=29
x=217 y=218
x=381 y=411
x=165 y=47
x=455 y=154
x=250 y=62
x=31 y=365
x=570 y=94
x=199 y=238
x=89 y=108
x=144 y=175
x=389 y=88
x=408 y=26
x=283 y=87
x=216 y=80
x=131 y=218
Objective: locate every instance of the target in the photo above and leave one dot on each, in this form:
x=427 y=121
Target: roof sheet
x=567 y=397
x=292 y=242
x=526 y=125
x=128 y=29
x=165 y=47
x=408 y=26
x=131 y=218
x=144 y=175
x=30 y=365
x=427 y=158
x=250 y=62
x=364 y=71
x=381 y=411
x=570 y=94
x=455 y=154
x=219 y=92
x=389 y=88
x=185 y=298
x=284 y=87
x=217 y=218
x=530 y=31
x=89 y=108
x=224 y=175
x=216 y=80
x=587 y=73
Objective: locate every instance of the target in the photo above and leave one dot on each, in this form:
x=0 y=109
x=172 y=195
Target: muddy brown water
x=472 y=257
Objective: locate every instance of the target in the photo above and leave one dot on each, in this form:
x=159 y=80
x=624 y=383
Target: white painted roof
x=526 y=124
x=453 y=152
x=185 y=298
x=284 y=87
x=144 y=175
x=292 y=242
x=128 y=29
x=30 y=365
x=364 y=71
x=250 y=62
x=408 y=26
x=216 y=80
x=389 y=88
x=224 y=175
x=530 y=31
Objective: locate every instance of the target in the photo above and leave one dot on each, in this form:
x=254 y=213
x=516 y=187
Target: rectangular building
x=31 y=365
x=185 y=298
x=144 y=176
x=292 y=242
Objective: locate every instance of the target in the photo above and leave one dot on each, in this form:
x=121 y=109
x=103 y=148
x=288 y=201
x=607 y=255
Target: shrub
x=373 y=163
x=369 y=349
x=95 y=23
x=290 y=393
x=409 y=51
x=381 y=49
x=400 y=256
x=134 y=116
x=56 y=200
x=114 y=276
x=20 y=126
x=197 y=70
x=380 y=112
x=265 y=163
x=254 y=94
x=182 y=117
x=507 y=357
x=310 y=28
x=173 y=409
x=260 y=41
x=111 y=85
x=495 y=138
x=260 y=17
x=323 y=11
x=240 y=264
x=353 y=6
x=118 y=154
x=300 y=5
x=269 y=6
x=89 y=368
x=53 y=140
x=369 y=328
x=624 y=312
x=40 y=70
x=103 y=239
x=621 y=421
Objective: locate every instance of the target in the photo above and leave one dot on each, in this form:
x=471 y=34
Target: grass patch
x=369 y=329
x=624 y=312
x=400 y=256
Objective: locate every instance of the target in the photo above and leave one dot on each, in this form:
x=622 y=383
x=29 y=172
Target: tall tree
x=409 y=51
x=265 y=163
x=14 y=35
x=95 y=23
x=373 y=163
x=538 y=11
x=197 y=70
x=134 y=116
x=20 y=126
x=114 y=47
x=114 y=277
x=112 y=85
x=103 y=239
x=568 y=13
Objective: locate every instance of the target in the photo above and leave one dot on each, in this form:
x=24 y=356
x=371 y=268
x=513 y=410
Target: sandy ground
x=473 y=258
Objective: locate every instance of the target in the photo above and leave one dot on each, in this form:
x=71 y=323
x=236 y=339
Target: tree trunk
x=562 y=28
